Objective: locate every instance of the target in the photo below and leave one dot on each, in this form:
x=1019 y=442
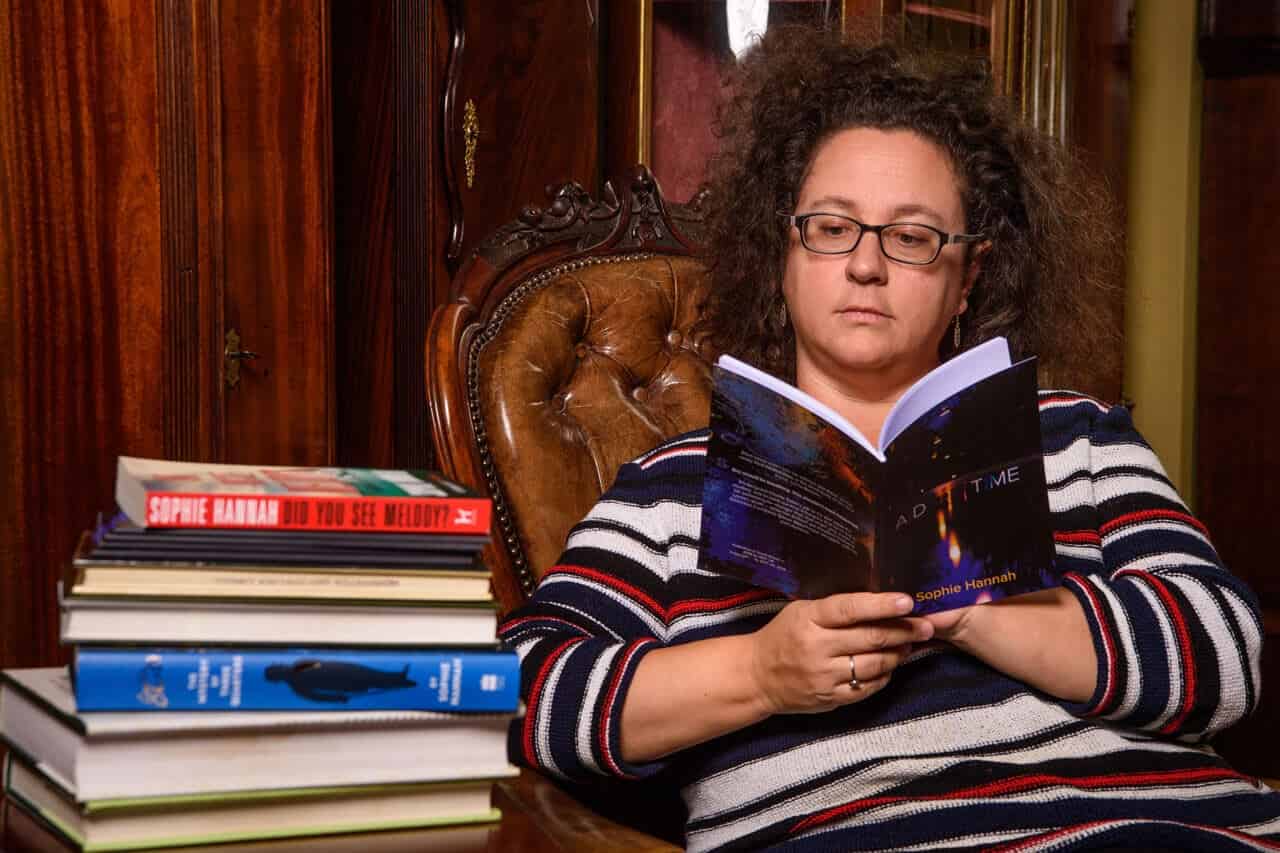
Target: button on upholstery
x=640 y=394
x=674 y=338
x=581 y=350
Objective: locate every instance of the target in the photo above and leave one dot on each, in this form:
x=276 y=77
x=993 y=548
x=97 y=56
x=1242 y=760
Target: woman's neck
x=863 y=401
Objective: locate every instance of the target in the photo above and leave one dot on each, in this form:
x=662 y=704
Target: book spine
x=227 y=679
x=345 y=513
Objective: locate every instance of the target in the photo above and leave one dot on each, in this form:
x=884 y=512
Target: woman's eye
x=910 y=238
x=834 y=230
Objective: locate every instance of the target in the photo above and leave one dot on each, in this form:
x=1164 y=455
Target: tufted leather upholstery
x=586 y=373
x=566 y=352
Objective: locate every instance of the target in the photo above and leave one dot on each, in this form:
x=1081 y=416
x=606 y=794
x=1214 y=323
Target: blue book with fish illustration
x=285 y=679
x=951 y=507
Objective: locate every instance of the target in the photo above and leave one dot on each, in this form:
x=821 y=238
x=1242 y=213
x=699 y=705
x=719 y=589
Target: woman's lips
x=863 y=313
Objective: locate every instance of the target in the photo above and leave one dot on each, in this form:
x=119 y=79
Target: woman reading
x=873 y=214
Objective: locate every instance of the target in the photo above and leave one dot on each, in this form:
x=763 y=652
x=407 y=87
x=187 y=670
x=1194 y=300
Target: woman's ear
x=971 y=272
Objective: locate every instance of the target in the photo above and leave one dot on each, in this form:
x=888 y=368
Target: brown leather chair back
x=566 y=352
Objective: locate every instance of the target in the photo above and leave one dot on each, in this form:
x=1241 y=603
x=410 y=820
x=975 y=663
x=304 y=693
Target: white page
x=986 y=359
x=945 y=380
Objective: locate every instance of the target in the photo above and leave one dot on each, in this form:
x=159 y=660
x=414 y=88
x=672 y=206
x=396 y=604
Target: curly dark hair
x=1051 y=222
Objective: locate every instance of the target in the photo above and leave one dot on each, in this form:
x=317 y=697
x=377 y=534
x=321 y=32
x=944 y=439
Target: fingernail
x=904 y=604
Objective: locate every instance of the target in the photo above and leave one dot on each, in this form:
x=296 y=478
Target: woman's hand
x=949 y=625
x=1040 y=638
x=803 y=661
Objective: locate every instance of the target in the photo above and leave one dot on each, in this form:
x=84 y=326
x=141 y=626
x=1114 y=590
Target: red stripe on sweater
x=1077 y=537
x=535 y=692
x=632 y=592
x=693 y=447
x=1108 y=643
x=507 y=626
x=639 y=595
x=1153 y=515
x=607 y=712
x=713 y=605
x=1021 y=784
x=1070 y=398
x=1184 y=647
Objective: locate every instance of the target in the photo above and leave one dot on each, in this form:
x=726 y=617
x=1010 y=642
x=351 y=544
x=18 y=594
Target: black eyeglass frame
x=798 y=220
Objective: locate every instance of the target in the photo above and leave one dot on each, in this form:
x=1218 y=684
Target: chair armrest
x=570 y=824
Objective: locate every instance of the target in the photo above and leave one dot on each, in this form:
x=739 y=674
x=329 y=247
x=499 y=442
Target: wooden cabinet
x=449 y=119
x=164 y=180
x=224 y=225
x=1237 y=406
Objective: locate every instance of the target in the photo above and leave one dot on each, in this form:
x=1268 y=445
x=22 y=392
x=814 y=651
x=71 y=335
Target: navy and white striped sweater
x=951 y=754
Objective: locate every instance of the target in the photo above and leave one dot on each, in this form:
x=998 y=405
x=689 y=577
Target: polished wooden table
x=537 y=817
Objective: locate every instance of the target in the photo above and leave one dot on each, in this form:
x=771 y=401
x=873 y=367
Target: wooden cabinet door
x=276 y=228
x=451 y=115
x=164 y=178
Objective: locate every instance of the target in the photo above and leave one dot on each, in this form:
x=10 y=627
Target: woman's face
x=863 y=321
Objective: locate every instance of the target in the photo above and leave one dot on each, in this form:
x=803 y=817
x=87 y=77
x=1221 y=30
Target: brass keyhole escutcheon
x=232 y=355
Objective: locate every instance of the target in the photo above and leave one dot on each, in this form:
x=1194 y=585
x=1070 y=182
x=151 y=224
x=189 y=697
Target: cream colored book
x=171 y=821
x=188 y=621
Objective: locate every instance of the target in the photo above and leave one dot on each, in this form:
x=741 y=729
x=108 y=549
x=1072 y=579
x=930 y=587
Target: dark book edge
x=69 y=721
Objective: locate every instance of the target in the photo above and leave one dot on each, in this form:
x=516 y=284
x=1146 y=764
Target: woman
x=1067 y=717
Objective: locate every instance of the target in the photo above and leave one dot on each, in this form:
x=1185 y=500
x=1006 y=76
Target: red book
x=161 y=493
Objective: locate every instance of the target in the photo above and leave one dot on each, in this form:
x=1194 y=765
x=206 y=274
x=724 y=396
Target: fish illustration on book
x=337 y=681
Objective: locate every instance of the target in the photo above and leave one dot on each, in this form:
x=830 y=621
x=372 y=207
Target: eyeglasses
x=905 y=242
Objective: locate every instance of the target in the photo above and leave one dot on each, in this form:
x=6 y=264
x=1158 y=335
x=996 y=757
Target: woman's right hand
x=803 y=661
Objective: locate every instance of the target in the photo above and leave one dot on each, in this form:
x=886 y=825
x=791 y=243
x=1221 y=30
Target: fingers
x=845 y=609
x=874 y=666
x=873 y=670
x=878 y=636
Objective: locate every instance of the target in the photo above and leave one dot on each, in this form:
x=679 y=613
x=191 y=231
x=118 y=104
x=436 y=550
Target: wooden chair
x=565 y=352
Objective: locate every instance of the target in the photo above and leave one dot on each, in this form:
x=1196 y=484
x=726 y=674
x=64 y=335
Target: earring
x=955 y=336
x=782 y=314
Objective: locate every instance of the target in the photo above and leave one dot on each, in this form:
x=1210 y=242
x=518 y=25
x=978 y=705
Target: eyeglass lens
x=831 y=234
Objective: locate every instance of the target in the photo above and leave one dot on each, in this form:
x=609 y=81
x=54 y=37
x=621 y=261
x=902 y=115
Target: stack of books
x=267 y=652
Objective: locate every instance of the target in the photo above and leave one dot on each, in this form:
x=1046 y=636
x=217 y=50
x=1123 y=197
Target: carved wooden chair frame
x=573 y=231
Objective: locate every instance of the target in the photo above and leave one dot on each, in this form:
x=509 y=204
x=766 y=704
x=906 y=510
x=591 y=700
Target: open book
x=950 y=508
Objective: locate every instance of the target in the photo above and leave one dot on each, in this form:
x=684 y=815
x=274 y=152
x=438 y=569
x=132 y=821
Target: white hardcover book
x=120 y=754
x=93 y=619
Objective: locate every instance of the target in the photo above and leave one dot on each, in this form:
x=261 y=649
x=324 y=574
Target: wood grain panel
x=80 y=319
x=1097 y=125
x=1239 y=306
x=626 y=42
x=364 y=130
x=423 y=221
x=277 y=216
x=533 y=75
x=192 y=249
x=1238 y=458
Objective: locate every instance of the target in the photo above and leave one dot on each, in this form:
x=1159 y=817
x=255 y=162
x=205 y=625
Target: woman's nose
x=866 y=263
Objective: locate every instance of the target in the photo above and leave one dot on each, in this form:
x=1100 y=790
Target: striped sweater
x=951 y=754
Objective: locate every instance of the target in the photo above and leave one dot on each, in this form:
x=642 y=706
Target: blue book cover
x=264 y=679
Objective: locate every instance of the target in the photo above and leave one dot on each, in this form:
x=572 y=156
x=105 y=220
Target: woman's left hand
x=949 y=624
x=1040 y=638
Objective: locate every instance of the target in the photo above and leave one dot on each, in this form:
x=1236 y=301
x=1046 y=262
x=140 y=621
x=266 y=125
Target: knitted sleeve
x=594 y=617
x=1178 y=638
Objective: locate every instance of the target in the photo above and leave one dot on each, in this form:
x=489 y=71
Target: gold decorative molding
x=644 y=86
x=1029 y=56
x=470 y=137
